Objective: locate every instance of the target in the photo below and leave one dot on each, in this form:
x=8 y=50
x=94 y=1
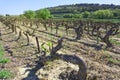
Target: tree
x=7 y=15
x=85 y=14
x=29 y=14
x=43 y=13
x=51 y=16
x=103 y=14
x=77 y=16
x=67 y=15
x=22 y=16
x=116 y=13
x=72 y=16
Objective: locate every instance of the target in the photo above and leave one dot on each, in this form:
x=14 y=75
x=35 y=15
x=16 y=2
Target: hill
x=58 y=11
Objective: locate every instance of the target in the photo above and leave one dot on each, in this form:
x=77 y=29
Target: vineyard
x=60 y=49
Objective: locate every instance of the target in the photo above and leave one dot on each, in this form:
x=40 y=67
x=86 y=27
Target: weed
x=107 y=55
x=118 y=36
x=65 y=46
x=4 y=60
x=4 y=74
x=113 y=61
x=1 y=54
x=1 y=51
x=48 y=62
x=114 y=41
x=46 y=47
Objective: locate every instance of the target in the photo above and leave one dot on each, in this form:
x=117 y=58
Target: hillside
x=78 y=8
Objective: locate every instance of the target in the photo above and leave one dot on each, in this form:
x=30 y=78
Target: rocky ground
x=24 y=59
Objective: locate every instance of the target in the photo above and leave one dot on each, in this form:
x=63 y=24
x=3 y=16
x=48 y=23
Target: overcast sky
x=19 y=6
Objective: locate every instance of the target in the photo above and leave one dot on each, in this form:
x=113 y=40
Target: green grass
x=118 y=36
x=5 y=74
x=114 y=41
x=113 y=61
x=107 y=55
x=48 y=62
x=1 y=54
x=4 y=60
x=1 y=51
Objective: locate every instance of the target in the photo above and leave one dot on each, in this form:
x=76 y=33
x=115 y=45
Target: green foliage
x=77 y=16
x=51 y=16
x=85 y=14
x=113 y=61
x=50 y=44
x=72 y=16
x=118 y=36
x=22 y=16
x=116 y=13
x=4 y=74
x=107 y=55
x=67 y=15
x=43 y=13
x=4 y=60
x=1 y=51
x=46 y=47
x=43 y=48
x=48 y=62
x=114 y=41
x=7 y=15
x=103 y=14
x=29 y=14
x=60 y=11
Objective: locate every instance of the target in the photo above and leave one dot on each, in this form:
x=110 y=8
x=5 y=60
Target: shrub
x=103 y=14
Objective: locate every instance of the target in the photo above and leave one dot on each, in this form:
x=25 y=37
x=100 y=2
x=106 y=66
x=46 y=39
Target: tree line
x=79 y=8
x=99 y=14
x=40 y=14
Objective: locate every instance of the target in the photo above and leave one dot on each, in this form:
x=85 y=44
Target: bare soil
x=24 y=58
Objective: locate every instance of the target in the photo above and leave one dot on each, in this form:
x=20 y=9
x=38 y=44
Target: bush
x=67 y=15
x=77 y=16
x=85 y=14
x=29 y=14
x=103 y=14
x=43 y=14
x=72 y=15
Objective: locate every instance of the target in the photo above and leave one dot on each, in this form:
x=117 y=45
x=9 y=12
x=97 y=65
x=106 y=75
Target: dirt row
x=24 y=58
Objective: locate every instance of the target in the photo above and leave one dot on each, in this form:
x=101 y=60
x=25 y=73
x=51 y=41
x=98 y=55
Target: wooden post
x=38 y=46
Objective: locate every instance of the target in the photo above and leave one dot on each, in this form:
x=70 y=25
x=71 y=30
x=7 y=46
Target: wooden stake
x=38 y=46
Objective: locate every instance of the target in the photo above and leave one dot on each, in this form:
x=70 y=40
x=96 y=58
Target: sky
x=16 y=7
